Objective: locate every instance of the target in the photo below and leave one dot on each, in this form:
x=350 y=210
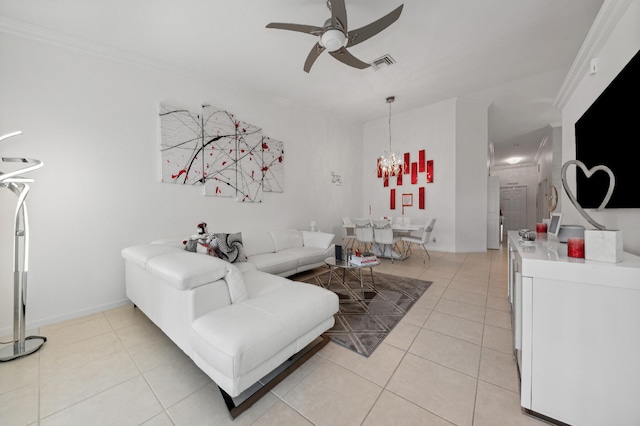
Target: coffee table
x=345 y=264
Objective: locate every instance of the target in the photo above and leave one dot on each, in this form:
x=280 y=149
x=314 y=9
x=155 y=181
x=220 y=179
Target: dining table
x=400 y=229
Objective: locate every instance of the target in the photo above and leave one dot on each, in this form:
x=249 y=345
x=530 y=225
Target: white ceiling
x=512 y=54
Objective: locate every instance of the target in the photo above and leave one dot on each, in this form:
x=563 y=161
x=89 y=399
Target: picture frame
x=407 y=200
x=554 y=224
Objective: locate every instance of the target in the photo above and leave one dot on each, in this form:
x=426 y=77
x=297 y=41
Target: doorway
x=513 y=204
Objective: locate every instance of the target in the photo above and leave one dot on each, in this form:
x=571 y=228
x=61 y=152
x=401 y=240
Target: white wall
x=94 y=122
x=615 y=52
x=451 y=131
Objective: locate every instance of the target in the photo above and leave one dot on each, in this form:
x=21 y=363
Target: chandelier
x=390 y=161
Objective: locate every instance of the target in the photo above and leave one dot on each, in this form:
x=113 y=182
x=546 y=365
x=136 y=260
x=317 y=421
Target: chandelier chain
x=389 y=125
x=390 y=162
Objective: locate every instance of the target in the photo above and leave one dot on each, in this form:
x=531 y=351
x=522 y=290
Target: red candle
x=541 y=228
x=575 y=247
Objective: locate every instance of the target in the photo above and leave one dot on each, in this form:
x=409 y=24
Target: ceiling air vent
x=382 y=62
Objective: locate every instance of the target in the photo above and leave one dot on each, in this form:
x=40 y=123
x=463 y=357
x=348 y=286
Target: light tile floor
x=449 y=362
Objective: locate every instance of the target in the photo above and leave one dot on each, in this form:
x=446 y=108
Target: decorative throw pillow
x=199 y=244
x=227 y=247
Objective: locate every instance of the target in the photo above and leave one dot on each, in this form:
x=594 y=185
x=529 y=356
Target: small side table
x=345 y=264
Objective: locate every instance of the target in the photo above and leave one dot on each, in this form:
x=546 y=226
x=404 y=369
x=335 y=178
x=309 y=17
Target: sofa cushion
x=237 y=338
x=317 y=239
x=245 y=266
x=286 y=238
x=141 y=254
x=306 y=255
x=275 y=263
x=185 y=270
x=257 y=242
x=235 y=284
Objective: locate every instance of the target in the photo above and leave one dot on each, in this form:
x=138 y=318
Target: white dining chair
x=364 y=232
x=349 y=232
x=384 y=238
x=422 y=240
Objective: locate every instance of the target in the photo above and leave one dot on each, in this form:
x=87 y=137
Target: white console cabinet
x=576 y=333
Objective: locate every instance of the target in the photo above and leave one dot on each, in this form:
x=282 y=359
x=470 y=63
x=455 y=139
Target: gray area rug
x=367 y=316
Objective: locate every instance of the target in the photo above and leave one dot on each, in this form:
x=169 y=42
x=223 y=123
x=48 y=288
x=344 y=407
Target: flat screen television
x=608 y=133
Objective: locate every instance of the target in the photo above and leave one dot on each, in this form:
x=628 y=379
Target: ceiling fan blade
x=313 y=55
x=338 y=14
x=347 y=58
x=307 y=29
x=368 y=31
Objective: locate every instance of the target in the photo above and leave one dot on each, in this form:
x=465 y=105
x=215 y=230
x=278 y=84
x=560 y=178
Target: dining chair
x=349 y=232
x=385 y=238
x=422 y=240
x=364 y=232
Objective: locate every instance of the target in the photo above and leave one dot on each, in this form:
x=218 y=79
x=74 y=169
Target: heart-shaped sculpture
x=588 y=173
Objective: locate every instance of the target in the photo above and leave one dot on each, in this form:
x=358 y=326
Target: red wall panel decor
x=421 y=198
x=421 y=160
x=399 y=182
x=386 y=179
x=430 y=171
x=414 y=173
x=379 y=167
x=407 y=165
x=392 y=200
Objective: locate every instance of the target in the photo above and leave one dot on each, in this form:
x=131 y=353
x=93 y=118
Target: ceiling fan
x=335 y=37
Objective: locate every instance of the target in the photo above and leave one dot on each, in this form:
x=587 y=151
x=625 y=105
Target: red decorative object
x=386 y=180
x=414 y=173
x=541 y=228
x=430 y=171
x=421 y=160
x=575 y=247
x=392 y=201
x=406 y=167
x=399 y=182
x=421 y=198
x=379 y=167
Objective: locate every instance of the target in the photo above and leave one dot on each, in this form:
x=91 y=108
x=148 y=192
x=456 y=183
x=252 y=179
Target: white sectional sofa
x=240 y=321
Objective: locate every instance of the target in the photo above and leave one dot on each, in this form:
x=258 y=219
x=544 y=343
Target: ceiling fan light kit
x=335 y=37
x=333 y=40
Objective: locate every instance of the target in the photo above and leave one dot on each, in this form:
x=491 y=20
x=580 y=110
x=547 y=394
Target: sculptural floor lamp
x=18 y=184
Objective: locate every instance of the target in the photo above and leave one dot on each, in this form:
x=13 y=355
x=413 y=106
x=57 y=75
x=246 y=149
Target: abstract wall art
x=273 y=164
x=412 y=169
x=233 y=157
x=430 y=171
x=230 y=157
x=181 y=145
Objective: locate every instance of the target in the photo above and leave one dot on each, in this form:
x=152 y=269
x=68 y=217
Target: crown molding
x=44 y=35
x=605 y=22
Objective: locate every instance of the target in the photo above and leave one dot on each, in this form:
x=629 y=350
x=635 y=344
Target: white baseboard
x=33 y=326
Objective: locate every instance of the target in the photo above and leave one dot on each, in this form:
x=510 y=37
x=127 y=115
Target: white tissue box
x=604 y=246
